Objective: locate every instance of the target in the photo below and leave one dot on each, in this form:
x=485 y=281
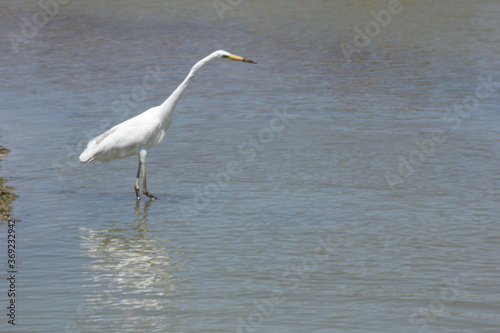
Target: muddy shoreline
x=7 y=195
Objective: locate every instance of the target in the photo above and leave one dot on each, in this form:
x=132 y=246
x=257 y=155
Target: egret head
x=221 y=54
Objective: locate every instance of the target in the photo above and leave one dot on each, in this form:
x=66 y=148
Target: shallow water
x=307 y=193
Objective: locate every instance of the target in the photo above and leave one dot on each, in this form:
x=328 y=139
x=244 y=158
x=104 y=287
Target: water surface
x=370 y=208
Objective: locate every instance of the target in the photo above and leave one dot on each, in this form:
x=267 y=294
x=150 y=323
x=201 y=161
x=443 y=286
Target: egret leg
x=136 y=186
x=142 y=156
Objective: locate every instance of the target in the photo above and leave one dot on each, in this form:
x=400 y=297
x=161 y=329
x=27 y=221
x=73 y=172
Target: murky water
x=348 y=182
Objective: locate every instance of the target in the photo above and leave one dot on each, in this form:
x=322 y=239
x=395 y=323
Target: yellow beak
x=238 y=58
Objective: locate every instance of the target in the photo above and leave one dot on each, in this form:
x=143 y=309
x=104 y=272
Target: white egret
x=144 y=131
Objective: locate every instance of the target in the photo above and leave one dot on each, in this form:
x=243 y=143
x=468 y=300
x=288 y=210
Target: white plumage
x=127 y=138
x=144 y=131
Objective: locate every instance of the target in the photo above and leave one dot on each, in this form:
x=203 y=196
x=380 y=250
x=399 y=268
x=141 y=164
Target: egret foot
x=149 y=195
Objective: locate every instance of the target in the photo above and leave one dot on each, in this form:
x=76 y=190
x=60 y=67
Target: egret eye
x=225 y=56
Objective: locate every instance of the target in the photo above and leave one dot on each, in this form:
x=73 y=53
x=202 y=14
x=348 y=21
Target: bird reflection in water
x=131 y=274
x=144 y=218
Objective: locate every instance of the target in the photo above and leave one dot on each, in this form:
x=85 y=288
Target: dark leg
x=144 y=186
x=136 y=186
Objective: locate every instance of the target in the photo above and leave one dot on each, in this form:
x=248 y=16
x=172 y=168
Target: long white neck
x=168 y=106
